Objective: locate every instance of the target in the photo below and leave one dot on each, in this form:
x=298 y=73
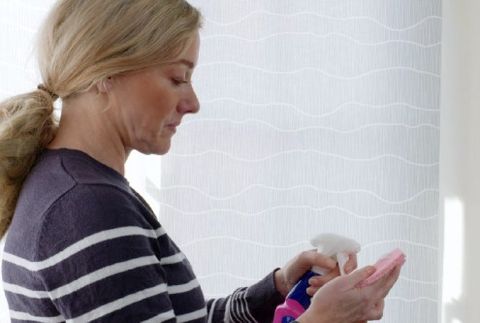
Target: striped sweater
x=84 y=247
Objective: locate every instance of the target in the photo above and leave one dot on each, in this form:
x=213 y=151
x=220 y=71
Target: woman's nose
x=189 y=104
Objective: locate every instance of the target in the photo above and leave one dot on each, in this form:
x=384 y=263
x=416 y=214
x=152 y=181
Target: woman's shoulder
x=58 y=200
x=69 y=177
x=79 y=167
x=85 y=210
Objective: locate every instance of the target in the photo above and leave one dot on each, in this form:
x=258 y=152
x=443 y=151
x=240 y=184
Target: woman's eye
x=178 y=81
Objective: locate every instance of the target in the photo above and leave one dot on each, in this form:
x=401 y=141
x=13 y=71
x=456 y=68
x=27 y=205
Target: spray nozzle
x=335 y=246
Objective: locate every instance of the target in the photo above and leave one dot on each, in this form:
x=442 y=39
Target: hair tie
x=42 y=87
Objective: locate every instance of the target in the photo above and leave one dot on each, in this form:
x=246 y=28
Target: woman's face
x=150 y=104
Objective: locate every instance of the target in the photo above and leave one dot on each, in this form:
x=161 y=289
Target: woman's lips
x=172 y=127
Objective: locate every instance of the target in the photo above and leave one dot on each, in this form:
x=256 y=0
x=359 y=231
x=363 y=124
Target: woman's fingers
x=391 y=279
x=382 y=287
x=313 y=258
x=351 y=264
x=319 y=281
x=358 y=276
x=312 y=290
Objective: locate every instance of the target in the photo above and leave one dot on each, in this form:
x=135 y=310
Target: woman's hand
x=318 y=281
x=288 y=276
x=342 y=301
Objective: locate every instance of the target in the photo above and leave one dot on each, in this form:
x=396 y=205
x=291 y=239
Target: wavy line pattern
x=323 y=73
x=323 y=115
x=263 y=13
x=304 y=151
x=304 y=243
x=310 y=187
x=322 y=36
x=231 y=111
x=340 y=131
x=234 y=212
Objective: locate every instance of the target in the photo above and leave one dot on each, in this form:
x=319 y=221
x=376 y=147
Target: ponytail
x=27 y=125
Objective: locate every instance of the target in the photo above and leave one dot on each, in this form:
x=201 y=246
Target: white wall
x=460 y=161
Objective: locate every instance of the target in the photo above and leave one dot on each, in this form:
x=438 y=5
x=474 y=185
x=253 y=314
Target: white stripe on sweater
x=192 y=316
x=241 y=305
x=176 y=258
x=21 y=316
x=178 y=289
x=161 y=317
x=234 y=311
x=227 y=316
x=247 y=313
x=237 y=308
x=119 y=304
x=85 y=280
x=80 y=245
x=212 y=309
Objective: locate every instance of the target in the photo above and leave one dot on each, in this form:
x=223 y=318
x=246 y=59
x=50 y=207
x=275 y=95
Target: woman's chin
x=161 y=149
x=158 y=148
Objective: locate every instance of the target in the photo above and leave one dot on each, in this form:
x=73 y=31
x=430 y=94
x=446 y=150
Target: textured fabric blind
x=317 y=116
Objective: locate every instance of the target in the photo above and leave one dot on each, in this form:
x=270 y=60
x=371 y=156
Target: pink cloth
x=384 y=266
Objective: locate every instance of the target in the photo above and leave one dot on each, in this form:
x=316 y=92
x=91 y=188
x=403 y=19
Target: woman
x=83 y=245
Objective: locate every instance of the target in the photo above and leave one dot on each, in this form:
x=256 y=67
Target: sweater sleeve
x=256 y=303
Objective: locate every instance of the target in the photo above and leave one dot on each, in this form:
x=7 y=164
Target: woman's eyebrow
x=185 y=62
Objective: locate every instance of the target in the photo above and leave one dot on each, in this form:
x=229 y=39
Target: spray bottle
x=297 y=301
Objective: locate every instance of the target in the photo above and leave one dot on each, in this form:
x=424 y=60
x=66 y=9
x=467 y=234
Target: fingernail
x=371 y=270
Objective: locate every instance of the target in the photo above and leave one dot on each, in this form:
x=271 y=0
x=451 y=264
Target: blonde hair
x=81 y=43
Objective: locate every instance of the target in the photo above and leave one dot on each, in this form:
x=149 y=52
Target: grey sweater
x=84 y=247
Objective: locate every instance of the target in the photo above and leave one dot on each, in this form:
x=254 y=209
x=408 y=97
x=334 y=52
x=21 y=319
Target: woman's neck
x=87 y=126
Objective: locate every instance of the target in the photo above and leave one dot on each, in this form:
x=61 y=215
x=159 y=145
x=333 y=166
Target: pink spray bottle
x=297 y=301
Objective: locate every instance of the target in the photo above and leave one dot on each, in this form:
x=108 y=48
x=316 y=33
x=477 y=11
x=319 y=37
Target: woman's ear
x=104 y=85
